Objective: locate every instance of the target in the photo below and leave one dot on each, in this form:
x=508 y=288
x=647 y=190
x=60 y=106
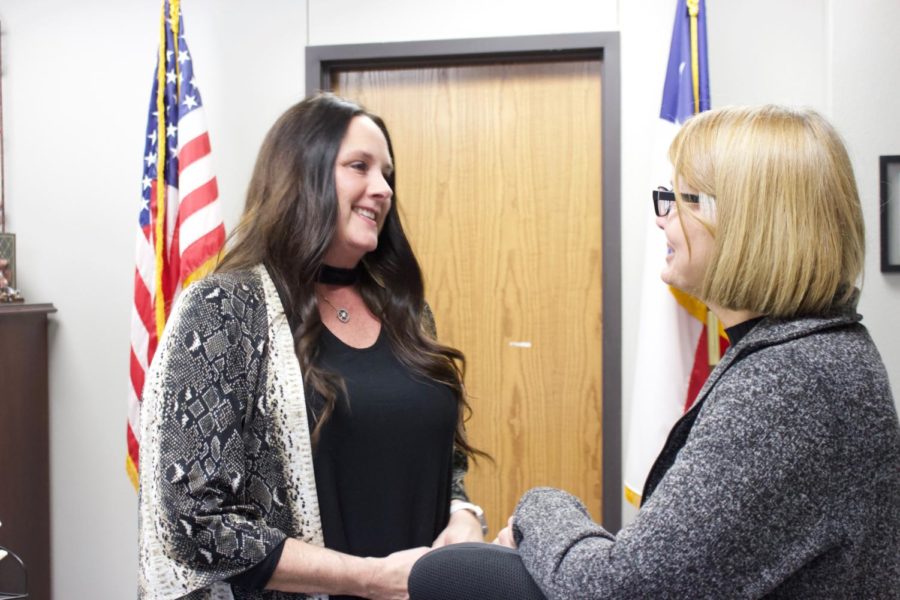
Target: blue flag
x=678 y=91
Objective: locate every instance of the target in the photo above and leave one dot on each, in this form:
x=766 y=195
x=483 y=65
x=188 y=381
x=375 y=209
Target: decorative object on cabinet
x=8 y=292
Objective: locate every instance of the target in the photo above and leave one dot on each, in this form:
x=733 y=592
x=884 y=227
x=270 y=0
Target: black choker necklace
x=337 y=276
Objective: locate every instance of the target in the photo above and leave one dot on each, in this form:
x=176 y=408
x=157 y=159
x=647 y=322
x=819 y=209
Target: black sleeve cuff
x=256 y=577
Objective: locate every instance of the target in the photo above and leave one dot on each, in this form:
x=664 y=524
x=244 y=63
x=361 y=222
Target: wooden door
x=499 y=189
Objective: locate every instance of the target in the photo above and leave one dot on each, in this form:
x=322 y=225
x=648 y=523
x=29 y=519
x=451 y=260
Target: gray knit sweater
x=788 y=485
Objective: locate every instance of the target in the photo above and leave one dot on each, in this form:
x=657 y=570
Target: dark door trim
x=321 y=61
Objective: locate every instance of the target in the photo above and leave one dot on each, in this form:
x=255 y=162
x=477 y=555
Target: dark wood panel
x=24 y=442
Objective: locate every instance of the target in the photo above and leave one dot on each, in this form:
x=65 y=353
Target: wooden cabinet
x=24 y=440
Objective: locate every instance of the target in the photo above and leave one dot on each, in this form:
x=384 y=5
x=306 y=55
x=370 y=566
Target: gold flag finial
x=693 y=7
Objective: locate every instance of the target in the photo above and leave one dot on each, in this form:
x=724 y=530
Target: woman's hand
x=463 y=527
x=305 y=568
x=505 y=537
x=389 y=578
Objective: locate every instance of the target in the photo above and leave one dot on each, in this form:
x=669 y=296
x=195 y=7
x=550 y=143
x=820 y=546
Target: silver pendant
x=342 y=315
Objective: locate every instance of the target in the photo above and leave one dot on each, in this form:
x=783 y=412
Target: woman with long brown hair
x=303 y=429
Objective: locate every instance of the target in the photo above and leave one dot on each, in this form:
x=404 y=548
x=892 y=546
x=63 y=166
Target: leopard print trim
x=285 y=381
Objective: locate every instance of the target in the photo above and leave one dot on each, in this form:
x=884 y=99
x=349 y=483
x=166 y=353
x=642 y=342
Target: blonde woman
x=783 y=480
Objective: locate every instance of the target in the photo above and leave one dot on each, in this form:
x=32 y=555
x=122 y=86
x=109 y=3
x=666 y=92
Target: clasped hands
x=505 y=537
x=463 y=527
x=389 y=580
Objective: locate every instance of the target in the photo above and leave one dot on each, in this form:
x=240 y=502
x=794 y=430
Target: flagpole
x=693 y=7
x=159 y=234
x=713 y=351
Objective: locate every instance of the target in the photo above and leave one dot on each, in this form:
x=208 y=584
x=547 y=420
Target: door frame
x=322 y=61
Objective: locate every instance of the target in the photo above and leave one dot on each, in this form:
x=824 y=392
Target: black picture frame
x=889 y=183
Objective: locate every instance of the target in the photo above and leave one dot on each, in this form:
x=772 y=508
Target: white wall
x=839 y=58
x=769 y=51
x=76 y=80
x=362 y=22
x=75 y=94
x=865 y=88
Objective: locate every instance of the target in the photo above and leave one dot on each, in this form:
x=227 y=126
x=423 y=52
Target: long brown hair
x=290 y=219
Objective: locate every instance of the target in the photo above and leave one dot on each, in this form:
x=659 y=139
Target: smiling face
x=686 y=266
x=363 y=194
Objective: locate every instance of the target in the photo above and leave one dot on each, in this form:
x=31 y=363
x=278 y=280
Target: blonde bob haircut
x=788 y=227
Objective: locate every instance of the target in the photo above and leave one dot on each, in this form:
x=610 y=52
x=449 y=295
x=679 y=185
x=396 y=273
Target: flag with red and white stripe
x=679 y=339
x=180 y=226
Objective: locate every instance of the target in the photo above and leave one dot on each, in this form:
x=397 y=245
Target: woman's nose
x=380 y=187
x=661 y=221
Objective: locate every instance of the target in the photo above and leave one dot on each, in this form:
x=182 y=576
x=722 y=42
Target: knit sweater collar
x=770 y=331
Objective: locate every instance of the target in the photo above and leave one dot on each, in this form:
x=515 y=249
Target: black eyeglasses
x=664 y=200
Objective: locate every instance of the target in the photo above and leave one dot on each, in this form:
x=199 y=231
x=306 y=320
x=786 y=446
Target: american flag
x=180 y=227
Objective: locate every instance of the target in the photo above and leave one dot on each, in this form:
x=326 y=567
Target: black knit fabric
x=384 y=459
x=470 y=572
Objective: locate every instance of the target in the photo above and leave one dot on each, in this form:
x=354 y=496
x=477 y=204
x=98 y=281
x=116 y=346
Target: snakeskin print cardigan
x=226 y=469
x=788 y=485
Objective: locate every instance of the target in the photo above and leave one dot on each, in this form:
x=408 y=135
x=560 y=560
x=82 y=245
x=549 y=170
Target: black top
x=383 y=462
x=682 y=429
x=737 y=332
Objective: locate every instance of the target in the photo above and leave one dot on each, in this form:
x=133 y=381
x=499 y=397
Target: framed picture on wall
x=889 y=177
